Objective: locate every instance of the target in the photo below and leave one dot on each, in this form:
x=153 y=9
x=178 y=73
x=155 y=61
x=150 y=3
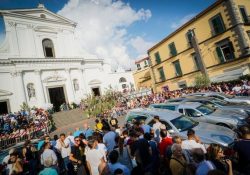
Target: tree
x=201 y=81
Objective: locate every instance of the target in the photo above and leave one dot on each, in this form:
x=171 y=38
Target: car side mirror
x=198 y=115
x=171 y=131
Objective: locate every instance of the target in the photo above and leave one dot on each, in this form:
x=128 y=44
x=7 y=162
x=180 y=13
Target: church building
x=41 y=63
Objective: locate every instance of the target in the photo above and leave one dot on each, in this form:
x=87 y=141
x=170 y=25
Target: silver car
x=243 y=109
x=222 y=96
x=178 y=124
x=207 y=114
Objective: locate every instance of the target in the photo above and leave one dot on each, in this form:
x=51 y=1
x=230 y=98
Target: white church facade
x=41 y=62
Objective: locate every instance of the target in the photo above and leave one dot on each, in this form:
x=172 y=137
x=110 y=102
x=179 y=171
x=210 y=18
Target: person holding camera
x=77 y=158
x=216 y=156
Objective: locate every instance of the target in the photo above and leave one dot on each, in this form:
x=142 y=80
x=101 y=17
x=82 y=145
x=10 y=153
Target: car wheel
x=223 y=124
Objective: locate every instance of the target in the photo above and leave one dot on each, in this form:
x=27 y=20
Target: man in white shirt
x=48 y=154
x=63 y=146
x=192 y=142
x=157 y=128
x=94 y=158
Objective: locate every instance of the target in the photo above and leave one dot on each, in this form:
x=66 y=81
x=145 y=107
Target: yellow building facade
x=142 y=75
x=222 y=36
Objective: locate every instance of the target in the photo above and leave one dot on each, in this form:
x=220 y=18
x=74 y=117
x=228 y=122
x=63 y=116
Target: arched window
x=31 y=90
x=48 y=48
x=122 y=80
x=76 y=84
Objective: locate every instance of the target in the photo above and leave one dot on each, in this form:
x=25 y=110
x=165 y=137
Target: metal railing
x=8 y=142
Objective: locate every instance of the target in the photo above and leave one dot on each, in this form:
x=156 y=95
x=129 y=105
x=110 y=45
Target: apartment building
x=215 y=42
x=142 y=77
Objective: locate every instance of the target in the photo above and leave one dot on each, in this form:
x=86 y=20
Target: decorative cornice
x=39 y=60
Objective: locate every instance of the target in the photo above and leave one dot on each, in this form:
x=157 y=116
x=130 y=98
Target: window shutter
x=244 y=14
x=189 y=38
x=162 y=75
x=220 y=55
x=231 y=46
x=157 y=58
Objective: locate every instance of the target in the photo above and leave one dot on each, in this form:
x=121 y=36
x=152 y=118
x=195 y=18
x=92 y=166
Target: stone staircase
x=65 y=118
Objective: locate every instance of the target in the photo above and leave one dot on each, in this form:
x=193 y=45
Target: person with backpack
x=177 y=161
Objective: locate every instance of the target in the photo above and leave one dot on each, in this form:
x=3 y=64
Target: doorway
x=96 y=91
x=57 y=97
x=4 y=107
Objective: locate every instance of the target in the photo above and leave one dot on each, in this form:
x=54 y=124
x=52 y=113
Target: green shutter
x=231 y=49
x=218 y=25
x=178 y=68
x=157 y=58
x=231 y=46
x=172 y=49
x=196 y=62
x=220 y=54
x=189 y=38
x=162 y=75
x=244 y=14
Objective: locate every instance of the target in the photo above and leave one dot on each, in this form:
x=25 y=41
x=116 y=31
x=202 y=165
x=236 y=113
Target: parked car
x=178 y=124
x=215 y=102
x=222 y=96
x=207 y=114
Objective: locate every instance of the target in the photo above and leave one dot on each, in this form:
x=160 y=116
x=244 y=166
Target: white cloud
x=182 y=21
x=102 y=27
x=141 y=45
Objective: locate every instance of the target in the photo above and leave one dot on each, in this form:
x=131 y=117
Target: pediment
x=38 y=13
x=95 y=81
x=5 y=93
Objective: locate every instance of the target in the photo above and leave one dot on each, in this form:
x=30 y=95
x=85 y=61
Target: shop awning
x=230 y=75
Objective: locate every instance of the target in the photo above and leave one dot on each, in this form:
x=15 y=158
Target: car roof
x=166 y=104
x=180 y=104
x=190 y=104
x=159 y=112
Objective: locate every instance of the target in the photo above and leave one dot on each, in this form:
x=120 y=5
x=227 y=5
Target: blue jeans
x=66 y=162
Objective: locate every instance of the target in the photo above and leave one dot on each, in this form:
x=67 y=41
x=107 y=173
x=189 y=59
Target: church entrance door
x=3 y=107
x=57 y=97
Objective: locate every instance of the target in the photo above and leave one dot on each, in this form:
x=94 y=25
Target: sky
x=118 y=31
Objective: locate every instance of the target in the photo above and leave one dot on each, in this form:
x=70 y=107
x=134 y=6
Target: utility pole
x=196 y=47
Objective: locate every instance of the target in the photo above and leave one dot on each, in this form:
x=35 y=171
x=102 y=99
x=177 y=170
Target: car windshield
x=184 y=123
x=206 y=109
x=220 y=102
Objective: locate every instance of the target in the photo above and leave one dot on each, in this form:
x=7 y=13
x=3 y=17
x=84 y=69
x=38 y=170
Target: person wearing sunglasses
x=77 y=158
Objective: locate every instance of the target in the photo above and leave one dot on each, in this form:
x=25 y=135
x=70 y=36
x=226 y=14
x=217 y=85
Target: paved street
x=71 y=127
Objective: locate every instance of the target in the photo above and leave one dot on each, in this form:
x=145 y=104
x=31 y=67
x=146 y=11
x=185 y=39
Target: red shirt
x=165 y=142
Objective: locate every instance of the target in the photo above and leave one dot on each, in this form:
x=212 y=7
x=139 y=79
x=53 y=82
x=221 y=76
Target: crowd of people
x=111 y=149
x=22 y=123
